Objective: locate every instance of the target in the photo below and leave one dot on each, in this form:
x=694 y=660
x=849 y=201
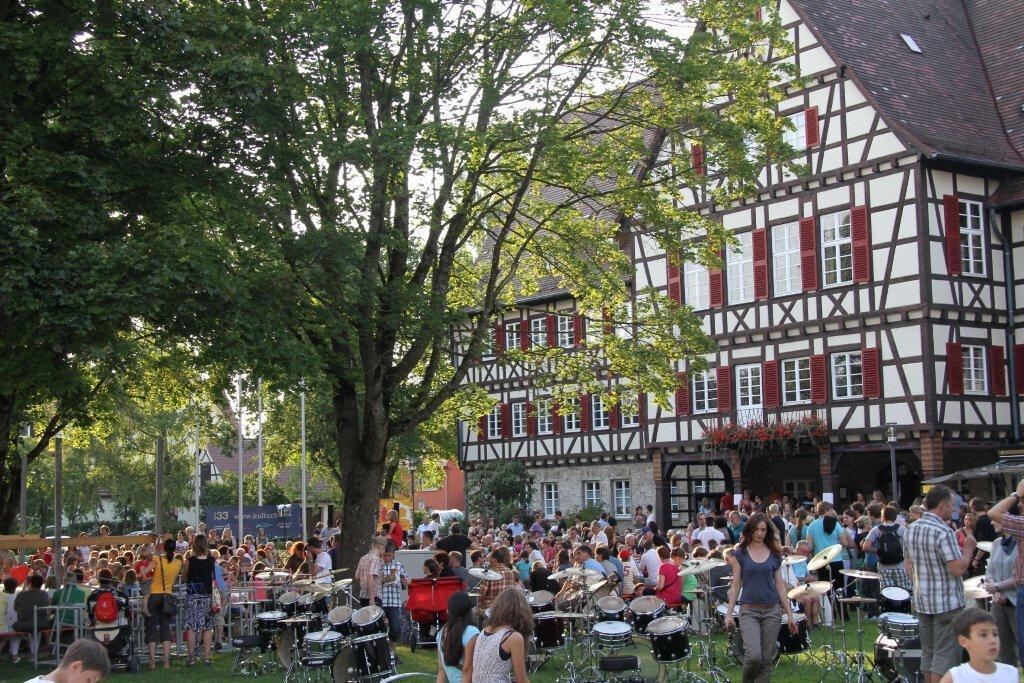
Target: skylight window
x=911 y=43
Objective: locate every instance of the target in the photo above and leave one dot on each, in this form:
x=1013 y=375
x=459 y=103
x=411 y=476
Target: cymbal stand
x=857 y=669
x=706 y=657
x=835 y=659
x=591 y=669
x=571 y=675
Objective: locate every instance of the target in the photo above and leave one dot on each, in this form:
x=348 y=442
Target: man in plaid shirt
x=368 y=572
x=391 y=581
x=500 y=561
x=937 y=563
x=1013 y=524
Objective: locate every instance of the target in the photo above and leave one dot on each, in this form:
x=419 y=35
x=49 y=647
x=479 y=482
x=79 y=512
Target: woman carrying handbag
x=158 y=606
x=198 y=617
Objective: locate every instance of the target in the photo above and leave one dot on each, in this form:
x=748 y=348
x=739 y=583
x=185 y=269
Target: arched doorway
x=689 y=482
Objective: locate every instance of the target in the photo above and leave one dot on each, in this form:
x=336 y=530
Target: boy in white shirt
x=977 y=632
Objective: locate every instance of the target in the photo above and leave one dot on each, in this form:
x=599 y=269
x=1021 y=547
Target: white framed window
x=748 y=386
x=571 y=416
x=705 y=392
x=565 y=333
x=974 y=369
x=797 y=137
x=494 y=423
x=598 y=415
x=591 y=493
x=675 y=494
x=847 y=378
x=836 y=249
x=628 y=415
x=797 y=489
x=512 y=335
x=796 y=381
x=549 y=492
x=542 y=407
x=539 y=331
x=695 y=285
x=972 y=238
x=786 y=258
x=739 y=264
x=621 y=502
x=519 y=419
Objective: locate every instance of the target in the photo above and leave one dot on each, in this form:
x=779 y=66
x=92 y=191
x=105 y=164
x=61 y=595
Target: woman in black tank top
x=198 y=616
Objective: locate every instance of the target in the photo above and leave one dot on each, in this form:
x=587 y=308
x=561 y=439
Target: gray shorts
x=939 y=650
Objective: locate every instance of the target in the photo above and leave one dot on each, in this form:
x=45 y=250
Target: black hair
x=169 y=548
x=460 y=615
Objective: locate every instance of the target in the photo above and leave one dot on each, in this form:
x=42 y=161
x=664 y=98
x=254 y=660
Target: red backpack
x=105 y=610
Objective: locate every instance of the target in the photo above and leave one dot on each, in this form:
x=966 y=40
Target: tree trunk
x=10 y=494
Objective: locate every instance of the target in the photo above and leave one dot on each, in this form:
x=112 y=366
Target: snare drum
x=269 y=623
x=542 y=601
x=548 y=631
x=669 y=642
x=895 y=600
x=789 y=643
x=304 y=603
x=322 y=644
x=898 y=626
x=339 y=620
x=722 y=609
x=645 y=609
x=612 y=634
x=611 y=608
x=369 y=620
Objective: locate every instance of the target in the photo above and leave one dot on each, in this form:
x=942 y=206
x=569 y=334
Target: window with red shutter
x=870 y=371
x=506 y=421
x=641 y=408
x=613 y=416
x=860 y=232
x=808 y=253
x=812 y=136
x=682 y=394
x=760 y=240
x=951 y=226
x=577 y=330
x=552 y=330
x=1018 y=367
x=770 y=373
x=723 y=376
x=481 y=429
x=585 y=413
x=716 y=286
x=499 y=338
x=674 y=282
x=697 y=154
x=531 y=419
x=556 y=418
x=955 y=367
x=819 y=380
x=524 y=335
x=996 y=370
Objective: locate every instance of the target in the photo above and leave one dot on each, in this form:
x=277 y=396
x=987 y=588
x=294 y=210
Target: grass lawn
x=790 y=669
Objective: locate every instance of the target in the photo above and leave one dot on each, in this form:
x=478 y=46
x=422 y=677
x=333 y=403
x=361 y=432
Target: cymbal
x=581 y=572
x=557 y=576
x=272 y=576
x=340 y=571
x=593 y=586
x=861 y=574
x=794 y=559
x=985 y=546
x=297 y=620
x=484 y=574
x=700 y=566
x=562 y=615
x=974 y=582
x=858 y=600
x=343 y=583
x=825 y=557
x=813 y=589
x=307 y=586
x=977 y=593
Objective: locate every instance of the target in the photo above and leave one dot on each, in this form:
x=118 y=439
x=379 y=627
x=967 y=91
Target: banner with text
x=280 y=521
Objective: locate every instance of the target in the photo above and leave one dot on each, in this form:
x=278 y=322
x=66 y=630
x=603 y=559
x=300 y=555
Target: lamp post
x=890 y=437
x=58 y=504
x=302 y=456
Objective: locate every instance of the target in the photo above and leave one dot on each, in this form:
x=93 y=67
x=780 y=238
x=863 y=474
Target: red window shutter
x=819 y=380
x=697 y=153
x=951 y=220
x=675 y=292
x=955 y=367
x=995 y=369
x=723 y=375
x=614 y=416
x=682 y=394
x=1018 y=367
x=770 y=380
x=608 y=328
x=524 y=335
x=506 y=420
x=758 y=14
x=585 y=413
x=641 y=408
x=870 y=367
x=556 y=419
x=860 y=231
x=499 y=338
x=531 y=420
x=577 y=329
x=716 y=290
x=552 y=330
x=812 y=137
x=808 y=253
x=760 y=240
x=481 y=429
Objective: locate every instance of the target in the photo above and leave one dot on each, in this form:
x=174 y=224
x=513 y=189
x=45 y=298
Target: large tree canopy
x=400 y=170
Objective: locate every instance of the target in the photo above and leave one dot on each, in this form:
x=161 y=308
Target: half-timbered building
x=879 y=288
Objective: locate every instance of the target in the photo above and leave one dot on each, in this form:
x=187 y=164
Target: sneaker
x=217 y=646
x=15 y=659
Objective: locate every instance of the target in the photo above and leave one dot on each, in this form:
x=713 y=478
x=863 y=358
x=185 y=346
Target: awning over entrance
x=995 y=470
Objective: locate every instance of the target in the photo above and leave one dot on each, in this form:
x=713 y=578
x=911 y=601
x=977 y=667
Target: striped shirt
x=1014 y=526
x=367 y=573
x=391 y=593
x=490 y=589
x=930 y=544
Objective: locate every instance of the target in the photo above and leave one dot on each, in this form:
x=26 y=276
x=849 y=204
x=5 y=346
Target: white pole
x=259 y=436
x=241 y=448
x=199 y=454
x=302 y=422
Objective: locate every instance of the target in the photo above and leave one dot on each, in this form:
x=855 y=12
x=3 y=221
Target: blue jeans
x=1020 y=623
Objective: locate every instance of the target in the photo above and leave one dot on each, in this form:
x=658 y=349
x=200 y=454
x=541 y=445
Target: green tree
x=225 y=491
x=500 y=489
x=400 y=170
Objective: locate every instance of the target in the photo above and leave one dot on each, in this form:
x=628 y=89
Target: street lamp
x=890 y=437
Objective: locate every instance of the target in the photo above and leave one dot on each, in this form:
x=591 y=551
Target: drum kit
x=314 y=639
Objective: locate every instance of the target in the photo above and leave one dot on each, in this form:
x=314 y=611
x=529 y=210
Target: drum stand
x=833 y=659
x=570 y=650
x=706 y=655
x=857 y=670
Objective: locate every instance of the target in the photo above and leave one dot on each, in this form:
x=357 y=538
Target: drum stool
x=628 y=665
x=250 y=658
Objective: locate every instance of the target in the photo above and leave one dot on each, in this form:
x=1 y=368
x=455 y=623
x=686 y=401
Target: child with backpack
x=886 y=541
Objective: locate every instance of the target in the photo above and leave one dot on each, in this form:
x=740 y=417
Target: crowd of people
x=926 y=549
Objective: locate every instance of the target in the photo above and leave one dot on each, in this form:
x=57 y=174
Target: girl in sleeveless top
x=501 y=647
x=456 y=641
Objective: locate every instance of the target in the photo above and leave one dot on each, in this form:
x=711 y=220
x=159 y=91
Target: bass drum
x=369 y=657
x=896 y=660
